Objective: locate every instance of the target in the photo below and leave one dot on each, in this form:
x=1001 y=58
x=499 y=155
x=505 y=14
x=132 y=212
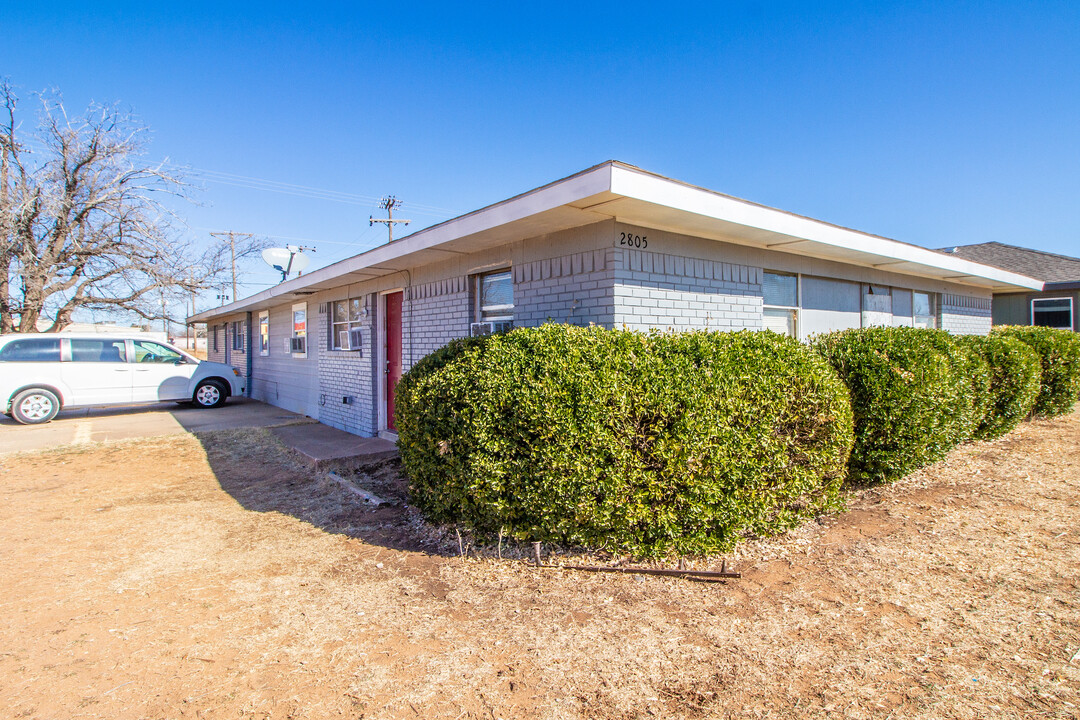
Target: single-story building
x=613 y=245
x=1054 y=306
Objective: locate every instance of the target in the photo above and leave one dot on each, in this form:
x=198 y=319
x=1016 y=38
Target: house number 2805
x=638 y=241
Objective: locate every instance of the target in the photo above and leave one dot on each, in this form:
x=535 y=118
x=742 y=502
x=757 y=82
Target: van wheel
x=210 y=394
x=35 y=406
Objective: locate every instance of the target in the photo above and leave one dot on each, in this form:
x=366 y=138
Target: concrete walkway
x=326 y=447
x=323 y=446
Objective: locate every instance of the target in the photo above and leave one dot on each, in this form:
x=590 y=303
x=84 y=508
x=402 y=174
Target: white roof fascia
x=573 y=189
x=629 y=182
x=625 y=181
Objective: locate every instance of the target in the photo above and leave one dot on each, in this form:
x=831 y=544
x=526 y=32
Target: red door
x=393 y=353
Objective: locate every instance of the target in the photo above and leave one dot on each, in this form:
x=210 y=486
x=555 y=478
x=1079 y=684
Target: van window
x=152 y=352
x=31 y=350
x=104 y=350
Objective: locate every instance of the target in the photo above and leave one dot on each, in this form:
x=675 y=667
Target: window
x=298 y=341
x=104 y=350
x=780 y=296
x=152 y=352
x=264 y=332
x=345 y=315
x=924 y=308
x=239 y=330
x=495 y=297
x=31 y=350
x=1052 y=313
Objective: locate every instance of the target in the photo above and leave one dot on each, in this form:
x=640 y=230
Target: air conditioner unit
x=488 y=328
x=297 y=345
x=350 y=339
x=481 y=328
x=356 y=339
x=288 y=345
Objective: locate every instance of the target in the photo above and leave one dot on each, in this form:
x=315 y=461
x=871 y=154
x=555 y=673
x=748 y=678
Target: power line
x=255 y=183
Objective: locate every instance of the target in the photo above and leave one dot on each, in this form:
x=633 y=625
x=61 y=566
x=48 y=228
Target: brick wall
x=433 y=314
x=964 y=315
x=346 y=374
x=661 y=291
x=215 y=351
x=574 y=289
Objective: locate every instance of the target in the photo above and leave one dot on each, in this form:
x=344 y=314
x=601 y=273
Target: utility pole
x=388 y=204
x=232 y=248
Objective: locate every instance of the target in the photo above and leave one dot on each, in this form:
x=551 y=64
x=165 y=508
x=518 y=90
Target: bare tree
x=81 y=225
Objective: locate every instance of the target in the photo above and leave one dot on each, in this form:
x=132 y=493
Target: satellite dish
x=286 y=260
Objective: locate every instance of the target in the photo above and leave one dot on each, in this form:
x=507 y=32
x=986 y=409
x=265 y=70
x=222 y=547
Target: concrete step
x=326 y=447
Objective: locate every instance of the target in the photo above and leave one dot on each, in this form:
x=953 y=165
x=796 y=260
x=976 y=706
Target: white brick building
x=613 y=245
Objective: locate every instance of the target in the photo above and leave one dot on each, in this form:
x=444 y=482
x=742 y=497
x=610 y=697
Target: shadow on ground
x=263 y=475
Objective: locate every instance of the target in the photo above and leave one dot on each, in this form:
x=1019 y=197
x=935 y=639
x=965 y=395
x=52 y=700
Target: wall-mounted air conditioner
x=297 y=345
x=351 y=339
x=489 y=328
x=481 y=328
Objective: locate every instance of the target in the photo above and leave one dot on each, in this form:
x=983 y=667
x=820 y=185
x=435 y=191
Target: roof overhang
x=627 y=194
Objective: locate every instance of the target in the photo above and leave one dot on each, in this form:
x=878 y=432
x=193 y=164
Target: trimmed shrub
x=1015 y=373
x=639 y=443
x=915 y=394
x=1059 y=354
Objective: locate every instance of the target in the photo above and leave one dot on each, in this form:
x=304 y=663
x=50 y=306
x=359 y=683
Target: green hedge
x=1014 y=386
x=1059 y=354
x=640 y=443
x=915 y=394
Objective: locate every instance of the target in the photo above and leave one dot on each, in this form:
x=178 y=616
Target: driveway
x=99 y=424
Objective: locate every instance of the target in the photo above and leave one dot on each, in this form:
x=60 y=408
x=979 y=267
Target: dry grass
x=161 y=579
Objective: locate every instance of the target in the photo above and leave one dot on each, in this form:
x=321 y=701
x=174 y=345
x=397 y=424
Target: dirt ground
x=215 y=577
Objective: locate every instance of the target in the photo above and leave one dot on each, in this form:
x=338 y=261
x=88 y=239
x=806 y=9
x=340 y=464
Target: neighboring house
x=1054 y=306
x=612 y=245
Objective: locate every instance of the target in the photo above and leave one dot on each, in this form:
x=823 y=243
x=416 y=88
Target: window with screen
x=495 y=297
x=264 y=332
x=298 y=341
x=239 y=330
x=924 y=309
x=780 y=296
x=1052 y=313
x=345 y=315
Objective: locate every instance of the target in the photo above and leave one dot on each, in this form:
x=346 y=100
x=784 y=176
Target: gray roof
x=1045 y=266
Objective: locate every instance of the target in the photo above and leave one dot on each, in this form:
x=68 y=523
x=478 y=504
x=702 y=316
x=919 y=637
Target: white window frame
x=478 y=310
x=264 y=338
x=349 y=324
x=1072 y=315
x=934 y=300
x=293 y=334
x=792 y=310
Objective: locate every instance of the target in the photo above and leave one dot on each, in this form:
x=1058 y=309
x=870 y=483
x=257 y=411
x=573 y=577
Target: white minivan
x=42 y=373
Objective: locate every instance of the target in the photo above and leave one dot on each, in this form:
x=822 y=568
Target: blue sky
x=936 y=123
